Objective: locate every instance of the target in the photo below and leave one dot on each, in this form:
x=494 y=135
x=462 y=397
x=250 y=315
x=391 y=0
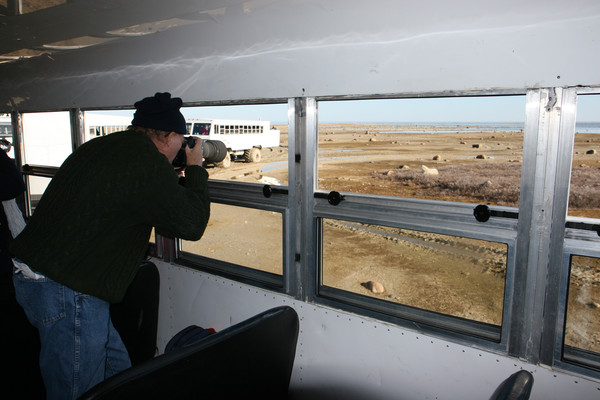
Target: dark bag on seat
x=187 y=336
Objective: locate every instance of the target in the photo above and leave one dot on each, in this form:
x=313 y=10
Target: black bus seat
x=254 y=357
x=516 y=387
x=136 y=317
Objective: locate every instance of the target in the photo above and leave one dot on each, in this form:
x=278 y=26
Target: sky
x=457 y=109
x=449 y=109
x=497 y=109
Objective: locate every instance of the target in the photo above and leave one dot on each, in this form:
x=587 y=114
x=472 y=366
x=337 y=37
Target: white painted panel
x=281 y=49
x=343 y=355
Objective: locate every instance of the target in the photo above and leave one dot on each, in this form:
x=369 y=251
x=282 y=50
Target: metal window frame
x=535 y=220
x=570 y=238
x=537 y=274
x=563 y=356
x=248 y=195
x=461 y=329
x=441 y=217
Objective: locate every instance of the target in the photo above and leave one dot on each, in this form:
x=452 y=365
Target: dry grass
x=585 y=188
x=496 y=183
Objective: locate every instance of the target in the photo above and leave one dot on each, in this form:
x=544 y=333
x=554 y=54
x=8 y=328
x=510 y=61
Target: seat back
x=516 y=387
x=136 y=317
x=253 y=357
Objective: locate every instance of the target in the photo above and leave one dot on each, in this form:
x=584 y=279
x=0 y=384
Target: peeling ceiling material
x=46 y=27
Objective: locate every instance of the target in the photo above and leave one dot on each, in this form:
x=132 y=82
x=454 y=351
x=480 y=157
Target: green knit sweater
x=91 y=228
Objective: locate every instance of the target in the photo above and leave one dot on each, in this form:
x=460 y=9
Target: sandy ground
x=445 y=274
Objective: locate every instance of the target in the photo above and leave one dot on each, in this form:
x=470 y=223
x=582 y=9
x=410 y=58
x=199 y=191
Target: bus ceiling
x=109 y=54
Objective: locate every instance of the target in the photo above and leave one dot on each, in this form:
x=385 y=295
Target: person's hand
x=194 y=155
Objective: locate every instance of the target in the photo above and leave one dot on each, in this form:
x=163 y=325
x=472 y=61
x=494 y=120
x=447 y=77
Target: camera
x=213 y=151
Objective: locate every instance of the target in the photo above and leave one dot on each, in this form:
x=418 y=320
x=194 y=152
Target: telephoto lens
x=212 y=150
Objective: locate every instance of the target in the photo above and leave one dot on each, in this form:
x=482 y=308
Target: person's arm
x=176 y=210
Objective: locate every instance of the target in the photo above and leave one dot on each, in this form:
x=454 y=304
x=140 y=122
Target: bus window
x=583 y=304
x=102 y=123
x=37 y=187
x=584 y=196
x=243 y=236
x=582 y=311
x=152 y=239
x=200 y=128
x=466 y=149
x=6 y=135
x=255 y=153
x=46 y=138
x=452 y=275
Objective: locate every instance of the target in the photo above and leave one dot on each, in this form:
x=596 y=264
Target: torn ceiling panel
x=83 y=23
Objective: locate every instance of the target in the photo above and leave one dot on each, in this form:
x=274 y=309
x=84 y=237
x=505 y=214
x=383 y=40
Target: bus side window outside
x=201 y=129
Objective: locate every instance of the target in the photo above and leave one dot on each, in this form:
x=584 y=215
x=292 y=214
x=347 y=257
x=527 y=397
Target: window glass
x=452 y=275
x=584 y=196
x=199 y=128
x=46 y=138
x=583 y=304
x=6 y=139
x=37 y=187
x=102 y=123
x=31 y=6
x=244 y=236
x=260 y=157
x=466 y=149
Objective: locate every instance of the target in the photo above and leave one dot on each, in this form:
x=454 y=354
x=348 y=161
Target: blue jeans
x=79 y=345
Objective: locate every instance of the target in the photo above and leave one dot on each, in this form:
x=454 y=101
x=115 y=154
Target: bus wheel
x=226 y=163
x=252 y=155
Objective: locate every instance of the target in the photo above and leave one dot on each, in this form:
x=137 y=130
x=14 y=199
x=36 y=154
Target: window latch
x=334 y=198
x=268 y=190
x=483 y=213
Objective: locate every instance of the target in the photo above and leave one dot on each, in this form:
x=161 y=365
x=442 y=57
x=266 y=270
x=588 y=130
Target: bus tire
x=226 y=162
x=252 y=155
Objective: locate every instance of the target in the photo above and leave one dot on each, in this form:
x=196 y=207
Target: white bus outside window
x=244 y=139
x=101 y=124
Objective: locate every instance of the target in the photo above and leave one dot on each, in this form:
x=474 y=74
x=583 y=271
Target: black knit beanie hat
x=160 y=112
